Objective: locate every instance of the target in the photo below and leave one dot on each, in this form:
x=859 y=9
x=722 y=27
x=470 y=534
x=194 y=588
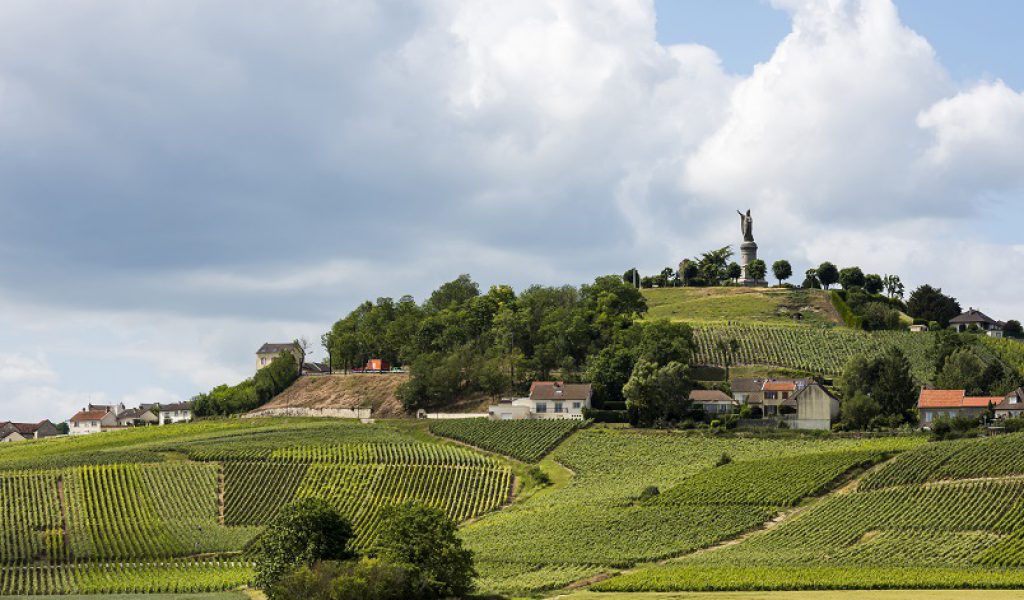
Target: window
x=558 y=407
x=542 y=407
x=927 y=415
x=577 y=405
x=263 y=361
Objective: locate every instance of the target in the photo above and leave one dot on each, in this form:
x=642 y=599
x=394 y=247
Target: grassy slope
x=376 y=390
x=764 y=305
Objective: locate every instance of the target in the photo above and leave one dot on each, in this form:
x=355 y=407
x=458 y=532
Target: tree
x=688 y=271
x=667 y=277
x=885 y=378
x=364 y=579
x=663 y=341
x=713 y=264
x=851 y=277
x=873 y=283
x=656 y=394
x=878 y=316
x=757 y=269
x=424 y=539
x=827 y=274
x=632 y=277
x=930 y=304
x=454 y=293
x=811 y=280
x=303 y=533
x=858 y=411
x=1012 y=328
x=734 y=271
x=275 y=378
x=893 y=286
x=782 y=270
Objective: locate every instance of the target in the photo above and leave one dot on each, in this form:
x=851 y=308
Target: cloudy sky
x=183 y=180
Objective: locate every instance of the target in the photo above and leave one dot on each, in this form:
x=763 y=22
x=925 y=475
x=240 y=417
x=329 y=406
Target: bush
x=364 y=579
x=304 y=533
x=945 y=428
x=606 y=416
x=723 y=460
x=537 y=476
x=649 y=492
x=424 y=539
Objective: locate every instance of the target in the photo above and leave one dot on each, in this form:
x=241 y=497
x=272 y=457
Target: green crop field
x=168 y=509
x=963 y=528
x=524 y=440
x=763 y=305
x=596 y=522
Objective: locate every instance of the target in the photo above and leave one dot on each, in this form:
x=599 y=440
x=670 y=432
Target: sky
x=181 y=181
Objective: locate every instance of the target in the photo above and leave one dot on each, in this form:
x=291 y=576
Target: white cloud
x=15 y=368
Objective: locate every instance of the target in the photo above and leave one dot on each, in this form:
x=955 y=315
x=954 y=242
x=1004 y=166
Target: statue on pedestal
x=746 y=225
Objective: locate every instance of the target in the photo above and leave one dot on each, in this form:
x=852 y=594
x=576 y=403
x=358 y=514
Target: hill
x=763 y=305
x=356 y=390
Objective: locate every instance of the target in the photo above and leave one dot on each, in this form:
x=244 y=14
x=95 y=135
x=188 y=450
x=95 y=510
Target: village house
x=1012 y=405
x=137 y=417
x=177 y=412
x=713 y=402
x=269 y=351
x=799 y=403
x=547 y=400
x=932 y=404
x=92 y=420
x=13 y=432
x=812 y=406
x=765 y=396
x=975 y=318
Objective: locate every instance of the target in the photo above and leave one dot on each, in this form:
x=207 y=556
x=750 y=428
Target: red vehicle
x=374 y=365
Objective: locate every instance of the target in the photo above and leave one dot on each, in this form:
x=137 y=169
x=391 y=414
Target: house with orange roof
x=91 y=420
x=932 y=404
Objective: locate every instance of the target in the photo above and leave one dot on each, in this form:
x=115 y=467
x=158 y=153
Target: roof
x=972 y=315
x=745 y=385
x=315 y=367
x=271 y=348
x=955 y=399
x=1013 y=401
x=176 y=406
x=794 y=400
x=779 y=386
x=710 y=396
x=133 y=413
x=89 y=415
x=558 y=390
x=29 y=428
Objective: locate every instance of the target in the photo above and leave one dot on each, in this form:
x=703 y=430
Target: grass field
x=809 y=595
x=763 y=305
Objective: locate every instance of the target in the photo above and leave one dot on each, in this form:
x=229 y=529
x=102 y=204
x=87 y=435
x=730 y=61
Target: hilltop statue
x=746 y=225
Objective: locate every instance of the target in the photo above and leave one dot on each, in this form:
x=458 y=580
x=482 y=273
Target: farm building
x=547 y=400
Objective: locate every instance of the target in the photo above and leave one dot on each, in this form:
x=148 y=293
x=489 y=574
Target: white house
x=713 y=402
x=91 y=420
x=547 y=400
x=178 y=412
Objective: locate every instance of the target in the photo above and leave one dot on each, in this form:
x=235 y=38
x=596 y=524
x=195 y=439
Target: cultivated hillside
x=357 y=390
x=763 y=305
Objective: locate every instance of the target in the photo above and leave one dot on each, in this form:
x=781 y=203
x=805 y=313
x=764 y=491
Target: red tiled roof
x=941 y=398
x=982 y=401
x=89 y=415
x=779 y=386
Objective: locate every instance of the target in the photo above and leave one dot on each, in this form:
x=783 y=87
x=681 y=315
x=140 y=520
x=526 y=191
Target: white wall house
x=179 y=412
x=547 y=400
x=91 y=421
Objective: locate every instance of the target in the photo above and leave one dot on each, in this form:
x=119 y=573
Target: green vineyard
x=820 y=350
x=134 y=578
x=526 y=440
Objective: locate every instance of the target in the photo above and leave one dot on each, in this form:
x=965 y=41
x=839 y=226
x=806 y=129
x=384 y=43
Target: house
x=766 y=396
x=10 y=431
x=91 y=420
x=713 y=402
x=975 y=318
x=269 y=351
x=137 y=417
x=114 y=408
x=932 y=404
x=178 y=412
x=547 y=400
x=1012 y=405
x=814 y=408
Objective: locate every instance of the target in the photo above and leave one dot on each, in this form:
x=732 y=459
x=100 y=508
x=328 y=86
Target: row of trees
x=712 y=268
x=259 y=389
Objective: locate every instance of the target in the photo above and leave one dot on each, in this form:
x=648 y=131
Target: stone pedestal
x=748 y=254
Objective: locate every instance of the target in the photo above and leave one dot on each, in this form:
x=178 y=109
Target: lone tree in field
x=827 y=274
x=424 y=539
x=304 y=533
x=782 y=270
